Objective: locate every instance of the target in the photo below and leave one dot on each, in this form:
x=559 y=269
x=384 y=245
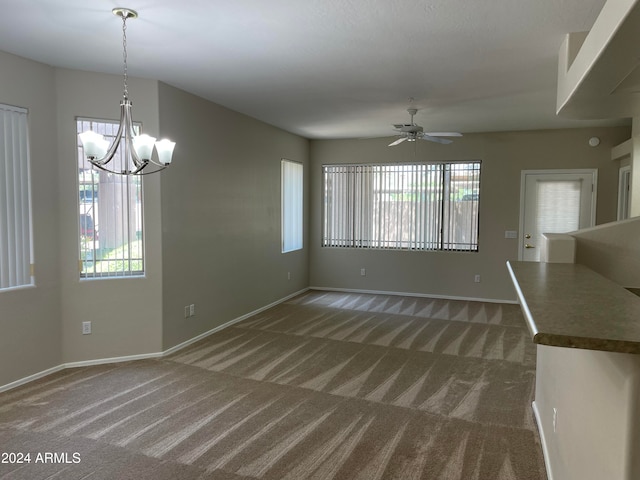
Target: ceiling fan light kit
x=412 y=132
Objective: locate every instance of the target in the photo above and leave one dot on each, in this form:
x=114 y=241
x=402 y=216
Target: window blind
x=551 y=219
x=418 y=206
x=16 y=250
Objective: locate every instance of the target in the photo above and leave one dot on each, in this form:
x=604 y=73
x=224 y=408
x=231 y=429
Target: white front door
x=554 y=201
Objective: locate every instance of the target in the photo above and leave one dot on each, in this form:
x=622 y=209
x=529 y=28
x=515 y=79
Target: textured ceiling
x=326 y=68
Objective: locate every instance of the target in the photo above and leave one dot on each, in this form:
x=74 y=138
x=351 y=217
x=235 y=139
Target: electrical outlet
x=476 y=278
x=288 y=275
x=363 y=271
x=192 y=309
x=86 y=328
x=187 y=311
x=555 y=419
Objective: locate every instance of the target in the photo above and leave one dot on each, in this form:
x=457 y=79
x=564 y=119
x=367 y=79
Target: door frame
x=560 y=171
x=624 y=192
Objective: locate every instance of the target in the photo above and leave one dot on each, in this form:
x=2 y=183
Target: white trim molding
x=413 y=294
x=31 y=378
x=229 y=323
x=543 y=440
x=144 y=356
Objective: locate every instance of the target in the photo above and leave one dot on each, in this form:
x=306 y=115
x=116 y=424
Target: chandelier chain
x=124 y=55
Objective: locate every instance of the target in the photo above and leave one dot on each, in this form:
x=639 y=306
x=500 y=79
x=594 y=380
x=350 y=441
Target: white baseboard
x=143 y=356
x=31 y=378
x=102 y=361
x=413 y=294
x=156 y=355
x=229 y=323
x=543 y=440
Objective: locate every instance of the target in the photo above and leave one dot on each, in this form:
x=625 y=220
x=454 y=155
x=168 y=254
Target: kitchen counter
x=570 y=305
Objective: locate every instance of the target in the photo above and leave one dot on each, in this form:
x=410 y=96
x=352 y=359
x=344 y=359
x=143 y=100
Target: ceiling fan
x=413 y=132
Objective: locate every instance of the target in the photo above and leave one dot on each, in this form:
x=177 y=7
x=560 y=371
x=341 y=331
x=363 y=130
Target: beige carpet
x=324 y=386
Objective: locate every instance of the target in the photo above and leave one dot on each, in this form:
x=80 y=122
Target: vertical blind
x=418 y=206
x=291 y=198
x=16 y=250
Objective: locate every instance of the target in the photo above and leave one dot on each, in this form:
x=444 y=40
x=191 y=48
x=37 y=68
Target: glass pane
x=462 y=206
x=110 y=213
x=404 y=206
x=558 y=206
x=291 y=198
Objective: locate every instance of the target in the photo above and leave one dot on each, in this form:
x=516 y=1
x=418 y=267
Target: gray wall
x=126 y=312
x=30 y=318
x=451 y=274
x=595 y=397
x=221 y=243
x=222 y=223
x=216 y=242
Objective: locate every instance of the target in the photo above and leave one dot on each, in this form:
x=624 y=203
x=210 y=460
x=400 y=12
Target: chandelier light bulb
x=165 y=148
x=95 y=146
x=143 y=145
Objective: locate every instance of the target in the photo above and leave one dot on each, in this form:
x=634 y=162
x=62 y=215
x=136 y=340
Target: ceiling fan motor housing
x=411 y=132
x=410 y=128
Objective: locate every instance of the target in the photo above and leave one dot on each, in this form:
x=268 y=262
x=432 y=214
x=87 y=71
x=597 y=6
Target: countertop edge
x=587 y=343
x=531 y=324
x=579 y=340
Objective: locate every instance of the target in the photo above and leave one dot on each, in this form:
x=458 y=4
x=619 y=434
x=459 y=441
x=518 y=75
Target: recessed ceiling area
x=327 y=69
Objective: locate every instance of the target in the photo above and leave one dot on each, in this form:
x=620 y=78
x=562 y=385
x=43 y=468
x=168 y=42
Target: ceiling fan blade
x=444 y=141
x=443 y=134
x=398 y=141
x=412 y=131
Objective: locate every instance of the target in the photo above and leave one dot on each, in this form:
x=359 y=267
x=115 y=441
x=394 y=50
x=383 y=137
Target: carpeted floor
x=324 y=386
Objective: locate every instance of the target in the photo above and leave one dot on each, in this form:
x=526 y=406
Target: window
x=291 y=205
x=16 y=246
x=549 y=196
x=418 y=206
x=110 y=214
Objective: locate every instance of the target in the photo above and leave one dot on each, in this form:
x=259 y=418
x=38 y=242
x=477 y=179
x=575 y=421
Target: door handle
x=527 y=236
x=528 y=245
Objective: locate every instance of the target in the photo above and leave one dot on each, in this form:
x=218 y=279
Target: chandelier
x=138 y=149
